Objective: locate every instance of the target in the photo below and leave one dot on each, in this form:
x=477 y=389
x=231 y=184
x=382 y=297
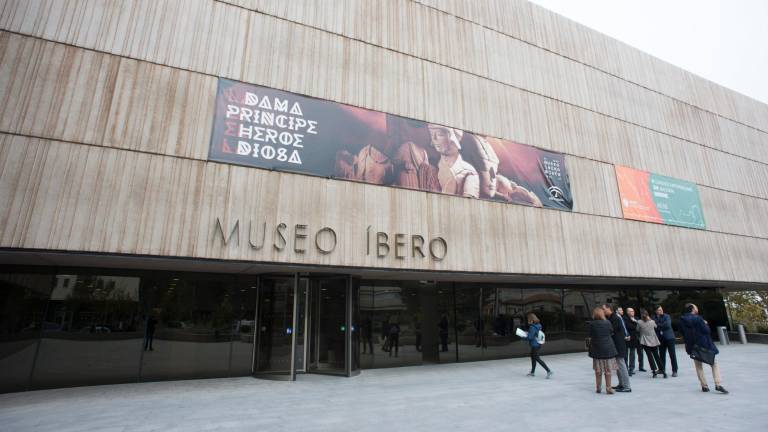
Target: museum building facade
x=213 y=188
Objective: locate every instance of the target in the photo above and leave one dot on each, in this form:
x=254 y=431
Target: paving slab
x=489 y=396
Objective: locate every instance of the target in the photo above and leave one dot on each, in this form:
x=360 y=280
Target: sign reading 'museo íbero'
x=297 y=238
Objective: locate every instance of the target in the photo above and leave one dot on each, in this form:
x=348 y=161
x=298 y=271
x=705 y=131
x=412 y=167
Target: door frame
x=348 y=326
x=309 y=315
x=291 y=376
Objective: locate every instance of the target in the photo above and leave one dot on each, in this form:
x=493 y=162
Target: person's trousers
x=394 y=344
x=148 y=342
x=536 y=359
x=653 y=358
x=368 y=342
x=700 y=373
x=668 y=345
x=631 y=352
x=623 y=373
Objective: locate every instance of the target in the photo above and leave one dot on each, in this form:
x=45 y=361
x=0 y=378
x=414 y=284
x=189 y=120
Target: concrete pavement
x=488 y=396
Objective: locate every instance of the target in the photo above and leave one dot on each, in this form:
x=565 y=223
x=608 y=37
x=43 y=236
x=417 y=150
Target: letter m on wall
x=226 y=238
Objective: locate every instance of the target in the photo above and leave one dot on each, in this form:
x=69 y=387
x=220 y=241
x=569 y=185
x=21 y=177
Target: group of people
x=615 y=340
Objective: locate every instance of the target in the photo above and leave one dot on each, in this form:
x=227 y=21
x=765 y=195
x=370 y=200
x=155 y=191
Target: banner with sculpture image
x=277 y=130
x=655 y=198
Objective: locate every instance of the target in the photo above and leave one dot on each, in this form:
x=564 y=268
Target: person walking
x=633 y=345
x=697 y=335
x=646 y=335
x=620 y=338
x=602 y=349
x=666 y=339
x=534 y=327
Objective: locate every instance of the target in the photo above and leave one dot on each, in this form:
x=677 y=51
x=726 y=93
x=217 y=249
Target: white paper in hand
x=521 y=333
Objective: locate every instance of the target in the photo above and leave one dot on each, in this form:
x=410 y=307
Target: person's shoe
x=531 y=374
x=674 y=374
x=631 y=374
x=598 y=390
x=705 y=389
x=665 y=375
x=609 y=391
x=618 y=387
x=721 y=389
x=624 y=390
x=654 y=374
x=549 y=374
x=642 y=370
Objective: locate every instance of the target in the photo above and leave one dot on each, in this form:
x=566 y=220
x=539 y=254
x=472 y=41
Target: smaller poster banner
x=655 y=198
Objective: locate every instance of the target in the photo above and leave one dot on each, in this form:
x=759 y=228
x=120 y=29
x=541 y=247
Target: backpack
x=541 y=338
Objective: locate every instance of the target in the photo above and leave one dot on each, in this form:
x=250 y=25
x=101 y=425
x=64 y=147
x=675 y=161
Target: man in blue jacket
x=666 y=338
x=696 y=332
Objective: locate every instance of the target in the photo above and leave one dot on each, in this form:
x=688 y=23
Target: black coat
x=618 y=335
x=632 y=329
x=601 y=343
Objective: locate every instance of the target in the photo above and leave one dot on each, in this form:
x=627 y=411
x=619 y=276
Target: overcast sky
x=722 y=41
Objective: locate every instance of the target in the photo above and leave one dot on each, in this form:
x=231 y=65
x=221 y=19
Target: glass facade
x=82 y=327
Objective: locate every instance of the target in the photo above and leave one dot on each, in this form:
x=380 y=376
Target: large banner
x=267 y=128
x=654 y=198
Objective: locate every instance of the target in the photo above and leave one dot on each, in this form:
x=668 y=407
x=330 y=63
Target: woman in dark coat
x=696 y=332
x=602 y=349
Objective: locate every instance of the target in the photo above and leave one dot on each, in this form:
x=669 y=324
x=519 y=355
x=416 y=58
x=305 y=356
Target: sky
x=723 y=41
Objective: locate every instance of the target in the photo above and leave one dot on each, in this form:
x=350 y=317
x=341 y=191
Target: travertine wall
x=106 y=110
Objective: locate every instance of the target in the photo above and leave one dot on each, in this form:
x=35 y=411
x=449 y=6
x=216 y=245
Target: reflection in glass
x=275 y=330
x=23 y=298
x=470 y=321
x=391 y=312
x=328 y=311
x=92 y=332
x=187 y=327
x=244 y=304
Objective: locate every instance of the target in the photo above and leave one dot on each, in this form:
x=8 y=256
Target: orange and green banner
x=655 y=198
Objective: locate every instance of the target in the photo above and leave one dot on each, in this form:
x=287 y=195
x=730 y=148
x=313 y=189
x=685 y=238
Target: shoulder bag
x=702 y=354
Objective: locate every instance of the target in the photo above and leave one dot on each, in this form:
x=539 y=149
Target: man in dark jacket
x=666 y=338
x=633 y=345
x=620 y=337
x=696 y=332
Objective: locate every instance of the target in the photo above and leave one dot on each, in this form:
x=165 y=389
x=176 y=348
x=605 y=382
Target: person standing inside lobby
x=666 y=339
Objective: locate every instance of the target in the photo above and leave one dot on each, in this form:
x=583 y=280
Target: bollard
x=742 y=334
x=722 y=333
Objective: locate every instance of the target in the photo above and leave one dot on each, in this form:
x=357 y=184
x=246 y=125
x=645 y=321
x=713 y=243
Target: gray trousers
x=623 y=373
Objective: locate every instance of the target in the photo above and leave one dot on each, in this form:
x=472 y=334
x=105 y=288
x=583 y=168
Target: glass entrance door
x=276 y=322
x=305 y=324
x=330 y=326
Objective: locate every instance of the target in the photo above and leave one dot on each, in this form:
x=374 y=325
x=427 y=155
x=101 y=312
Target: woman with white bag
x=535 y=339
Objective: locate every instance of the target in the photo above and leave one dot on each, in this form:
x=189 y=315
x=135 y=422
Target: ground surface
x=479 y=396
